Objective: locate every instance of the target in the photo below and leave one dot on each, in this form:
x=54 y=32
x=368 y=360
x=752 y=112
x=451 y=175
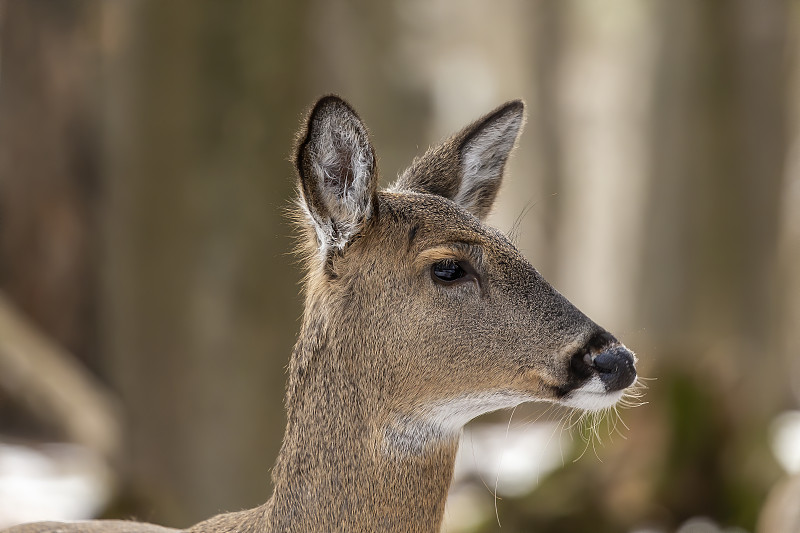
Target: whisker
x=530 y=420
x=585 y=448
x=617 y=421
x=500 y=464
x=475 y=460
x=562 y=425
x=513 y=233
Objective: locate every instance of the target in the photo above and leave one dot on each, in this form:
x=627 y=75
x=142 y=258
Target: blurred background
x=150 y=299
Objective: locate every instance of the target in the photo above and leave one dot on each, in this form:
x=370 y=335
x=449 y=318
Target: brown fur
x=386 y=351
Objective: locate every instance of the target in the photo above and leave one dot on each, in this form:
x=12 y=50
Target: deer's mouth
x=591 y=396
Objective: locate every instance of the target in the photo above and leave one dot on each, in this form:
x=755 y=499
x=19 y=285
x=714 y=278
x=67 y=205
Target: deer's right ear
x=337 y=173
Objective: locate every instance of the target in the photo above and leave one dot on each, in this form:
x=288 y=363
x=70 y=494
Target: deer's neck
x=340 y=467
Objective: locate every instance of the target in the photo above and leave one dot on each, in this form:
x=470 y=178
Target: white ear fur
x=337 y=174
x=468 y=167
x=483 y=159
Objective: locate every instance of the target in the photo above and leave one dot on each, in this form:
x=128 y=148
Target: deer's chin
x=592 y=396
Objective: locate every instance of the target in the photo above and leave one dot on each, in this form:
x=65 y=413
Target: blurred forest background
x=150 y=300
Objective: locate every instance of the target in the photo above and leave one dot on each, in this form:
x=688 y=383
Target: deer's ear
x=337 y=173
x=468 y=168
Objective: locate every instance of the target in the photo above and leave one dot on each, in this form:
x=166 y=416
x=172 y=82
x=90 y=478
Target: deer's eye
x=448 y=271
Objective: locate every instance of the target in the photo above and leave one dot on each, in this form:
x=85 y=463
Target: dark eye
x=447 y=271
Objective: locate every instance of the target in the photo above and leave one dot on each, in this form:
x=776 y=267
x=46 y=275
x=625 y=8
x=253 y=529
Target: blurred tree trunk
x=546 y=128
x=49 y=185
x=789 y=279
x=603 y=103
x=708 y=293
x=781 y=512
x=203 y=103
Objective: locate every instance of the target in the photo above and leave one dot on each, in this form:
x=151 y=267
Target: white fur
x=322 y=227
x=351 y=205
x=592 y=396
x=444 y=419
x=452 y=415
x=484 y=155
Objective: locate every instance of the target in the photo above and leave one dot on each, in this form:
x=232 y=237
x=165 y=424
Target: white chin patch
x=592 y=396
x=443 y=420
x=451 y=415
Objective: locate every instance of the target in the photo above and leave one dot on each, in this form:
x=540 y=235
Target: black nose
x=614 y=365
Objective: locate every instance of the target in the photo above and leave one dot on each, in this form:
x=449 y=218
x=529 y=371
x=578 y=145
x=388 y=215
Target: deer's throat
x=439 y=422
x=340 y=465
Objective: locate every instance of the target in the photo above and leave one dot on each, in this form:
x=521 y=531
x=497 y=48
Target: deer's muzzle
x=614 y=366
x=604 y=357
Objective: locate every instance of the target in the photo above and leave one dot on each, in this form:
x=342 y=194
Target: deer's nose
x=614 y=366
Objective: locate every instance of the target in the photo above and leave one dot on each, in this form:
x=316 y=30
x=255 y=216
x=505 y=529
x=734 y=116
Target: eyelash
x=450 y=271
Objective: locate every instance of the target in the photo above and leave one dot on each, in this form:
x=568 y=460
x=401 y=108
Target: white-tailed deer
x=418 y=318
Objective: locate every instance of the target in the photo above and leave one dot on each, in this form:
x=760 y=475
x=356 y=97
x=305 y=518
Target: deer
x=418 y=318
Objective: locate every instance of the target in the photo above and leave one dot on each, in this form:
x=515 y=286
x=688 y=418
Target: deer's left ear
x=337 y=173
x=468 y=168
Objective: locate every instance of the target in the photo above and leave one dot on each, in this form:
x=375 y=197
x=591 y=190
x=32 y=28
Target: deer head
x=437 y=317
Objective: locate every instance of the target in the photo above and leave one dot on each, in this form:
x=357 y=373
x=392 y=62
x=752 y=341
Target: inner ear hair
x=468 y=167
x=337 y=173
x=483 y=153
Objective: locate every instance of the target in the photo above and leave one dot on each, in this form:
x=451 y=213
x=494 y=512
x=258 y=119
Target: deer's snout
x=615 y=366
x=604 y=357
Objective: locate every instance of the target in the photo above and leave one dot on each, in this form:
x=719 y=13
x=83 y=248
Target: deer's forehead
x=431 y=220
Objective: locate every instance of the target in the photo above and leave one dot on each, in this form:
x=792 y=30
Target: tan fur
x=391 y=361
